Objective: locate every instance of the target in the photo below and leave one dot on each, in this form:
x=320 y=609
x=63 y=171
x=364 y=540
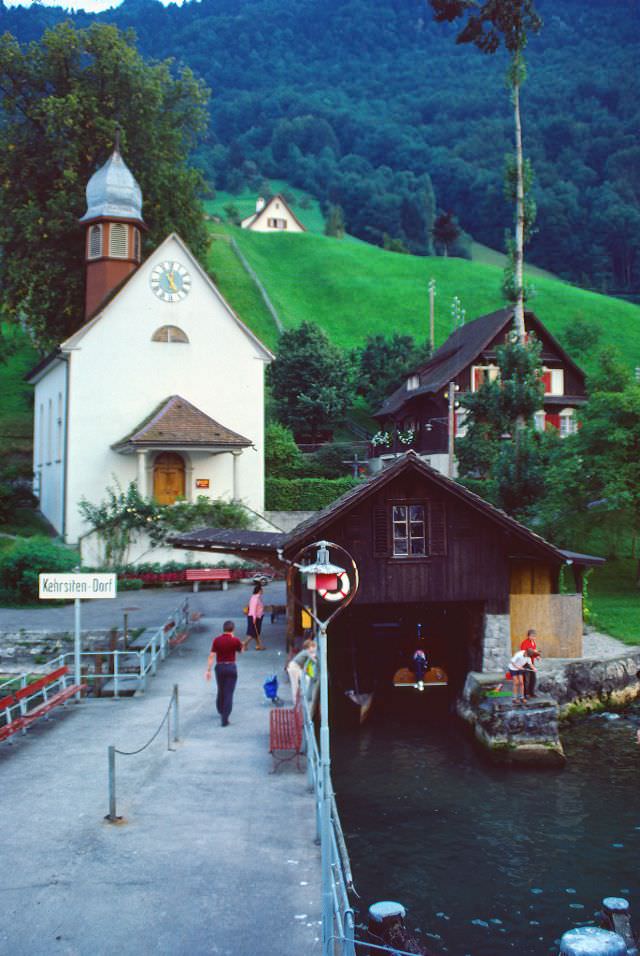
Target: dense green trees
x=383 y=363
x=348 y=98
x=62 y=99
x=311 y=382
x=501 y=455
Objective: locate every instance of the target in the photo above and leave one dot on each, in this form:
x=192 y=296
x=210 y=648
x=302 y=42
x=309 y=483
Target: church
x=162 y=384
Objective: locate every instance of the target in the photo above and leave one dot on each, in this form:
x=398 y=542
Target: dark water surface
x=489 y=860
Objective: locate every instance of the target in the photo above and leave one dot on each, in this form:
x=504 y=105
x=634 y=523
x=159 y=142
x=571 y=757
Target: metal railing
x=342 y=878
x=131 y=665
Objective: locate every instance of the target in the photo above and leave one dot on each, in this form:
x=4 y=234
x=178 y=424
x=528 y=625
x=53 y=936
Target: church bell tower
x=114 y=224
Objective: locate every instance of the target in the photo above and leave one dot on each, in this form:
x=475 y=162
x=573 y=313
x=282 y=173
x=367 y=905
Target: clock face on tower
x=170 y=281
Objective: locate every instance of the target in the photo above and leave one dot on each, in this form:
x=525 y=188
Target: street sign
x=56 y=587
x=60 y=586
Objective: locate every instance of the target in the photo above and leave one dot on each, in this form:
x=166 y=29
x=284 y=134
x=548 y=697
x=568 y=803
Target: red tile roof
x=175 y=421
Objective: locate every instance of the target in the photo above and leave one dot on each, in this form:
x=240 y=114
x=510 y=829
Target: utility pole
x=432 y=313
x=453 y=388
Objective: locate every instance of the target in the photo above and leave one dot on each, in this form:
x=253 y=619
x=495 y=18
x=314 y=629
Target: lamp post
x=323 y=575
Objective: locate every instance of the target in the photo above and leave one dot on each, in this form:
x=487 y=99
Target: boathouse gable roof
x=313 y=527
x=522 y=543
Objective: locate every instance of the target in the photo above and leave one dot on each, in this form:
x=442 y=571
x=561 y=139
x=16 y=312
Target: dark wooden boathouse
x=432 y=554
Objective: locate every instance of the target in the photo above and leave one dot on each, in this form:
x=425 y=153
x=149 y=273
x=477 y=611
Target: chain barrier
x=112 y=816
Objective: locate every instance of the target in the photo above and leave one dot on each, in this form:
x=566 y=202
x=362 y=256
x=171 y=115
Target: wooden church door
x=168 y=478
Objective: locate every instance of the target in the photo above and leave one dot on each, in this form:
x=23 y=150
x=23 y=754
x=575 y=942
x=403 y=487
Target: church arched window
x=118 y=244
x=95 y=242
x=169 y=333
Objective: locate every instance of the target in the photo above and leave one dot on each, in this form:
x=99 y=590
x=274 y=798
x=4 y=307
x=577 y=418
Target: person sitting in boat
x=420 y=666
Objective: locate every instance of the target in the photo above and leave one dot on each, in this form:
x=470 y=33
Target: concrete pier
x=214 y=854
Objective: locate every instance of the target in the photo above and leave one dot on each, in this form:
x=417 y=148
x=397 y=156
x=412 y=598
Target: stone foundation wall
x=496 y=642
x=31 y=648
x=612 y=681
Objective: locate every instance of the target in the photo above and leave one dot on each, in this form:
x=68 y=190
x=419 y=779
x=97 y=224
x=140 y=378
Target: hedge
x=304 y=494
x=21 y=564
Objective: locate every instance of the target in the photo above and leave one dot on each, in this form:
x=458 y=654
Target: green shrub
x=21 y=564
x=282 y=457
x=130 y=584
x=329 y=460
x=304 y=494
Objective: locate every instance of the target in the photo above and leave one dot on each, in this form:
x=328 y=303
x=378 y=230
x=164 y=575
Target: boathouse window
x=409 y=531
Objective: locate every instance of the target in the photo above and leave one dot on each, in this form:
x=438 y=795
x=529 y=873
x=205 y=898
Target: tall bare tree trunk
x=518 y=258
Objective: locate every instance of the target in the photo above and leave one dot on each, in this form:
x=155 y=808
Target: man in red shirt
x=224 y=649
x=530 y=676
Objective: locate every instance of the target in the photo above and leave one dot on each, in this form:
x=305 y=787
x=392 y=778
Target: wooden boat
x=434 y=677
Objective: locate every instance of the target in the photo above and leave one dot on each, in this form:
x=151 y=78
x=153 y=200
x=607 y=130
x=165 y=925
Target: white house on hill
x=273 y=216
x=163 y=384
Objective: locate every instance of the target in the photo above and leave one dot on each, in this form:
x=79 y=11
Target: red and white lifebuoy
x=344 y=586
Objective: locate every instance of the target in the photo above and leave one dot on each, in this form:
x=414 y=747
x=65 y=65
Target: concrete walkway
x=214 y=856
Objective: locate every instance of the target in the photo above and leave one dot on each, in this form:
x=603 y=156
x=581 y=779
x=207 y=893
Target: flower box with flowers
x=406 y=437
x=381 y=440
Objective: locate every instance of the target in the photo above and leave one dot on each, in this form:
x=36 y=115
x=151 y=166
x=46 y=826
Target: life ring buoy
x=344 y=586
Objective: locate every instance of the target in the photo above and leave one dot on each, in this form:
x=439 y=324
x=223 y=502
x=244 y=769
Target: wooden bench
x=178 y=638
x=19 y=702
x=196 y=575
x=286 y=733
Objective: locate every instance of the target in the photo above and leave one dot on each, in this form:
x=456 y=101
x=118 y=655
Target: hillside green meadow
x=352 y=290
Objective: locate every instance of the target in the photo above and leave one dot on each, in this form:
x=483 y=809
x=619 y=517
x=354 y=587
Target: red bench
x=286 y=732
x=19 y=702
x=178 y=638
x=196 y=575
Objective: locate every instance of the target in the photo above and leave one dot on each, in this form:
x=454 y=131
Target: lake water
x=490 y=860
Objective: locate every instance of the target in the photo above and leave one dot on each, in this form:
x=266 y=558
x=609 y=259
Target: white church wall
x=118 y=377
x=48 y=443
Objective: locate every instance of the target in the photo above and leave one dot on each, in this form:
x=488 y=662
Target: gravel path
x=596 y=645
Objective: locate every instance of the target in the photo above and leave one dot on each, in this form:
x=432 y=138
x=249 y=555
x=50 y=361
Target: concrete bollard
x=592 y=941
x=616 y=916
x=386 y=927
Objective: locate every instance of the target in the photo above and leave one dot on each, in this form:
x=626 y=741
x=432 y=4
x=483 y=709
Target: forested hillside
x=374 y=107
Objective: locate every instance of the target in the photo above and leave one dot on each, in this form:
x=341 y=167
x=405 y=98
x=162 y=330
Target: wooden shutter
x=437 y=528
x=380 y=532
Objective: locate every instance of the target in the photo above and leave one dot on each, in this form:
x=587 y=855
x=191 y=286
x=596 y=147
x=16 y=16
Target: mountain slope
x=357 y=103
x=353 y=289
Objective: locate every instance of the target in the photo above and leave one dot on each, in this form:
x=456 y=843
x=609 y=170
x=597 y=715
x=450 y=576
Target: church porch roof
x=176 y=423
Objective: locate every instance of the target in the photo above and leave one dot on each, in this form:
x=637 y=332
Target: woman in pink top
x=254 y=618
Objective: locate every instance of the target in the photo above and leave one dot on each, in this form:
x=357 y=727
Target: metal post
x=325 y=798
x=125 y=630
x=176 y=724
x=112 y=784
x=452 y=420
x=432 y=296
x=115 y=673
x=76 y=646
x=592 y=940
x=154 y=664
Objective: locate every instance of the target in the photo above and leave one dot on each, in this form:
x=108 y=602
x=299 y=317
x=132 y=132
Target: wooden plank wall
x=556 y=617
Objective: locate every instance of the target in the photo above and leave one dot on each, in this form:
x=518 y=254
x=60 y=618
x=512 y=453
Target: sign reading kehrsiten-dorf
x=61 y=586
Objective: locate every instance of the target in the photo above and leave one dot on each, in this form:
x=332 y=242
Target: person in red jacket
x=224 y=650
x=530 y=676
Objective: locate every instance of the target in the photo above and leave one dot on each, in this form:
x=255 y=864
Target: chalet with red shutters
x=417 y=414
